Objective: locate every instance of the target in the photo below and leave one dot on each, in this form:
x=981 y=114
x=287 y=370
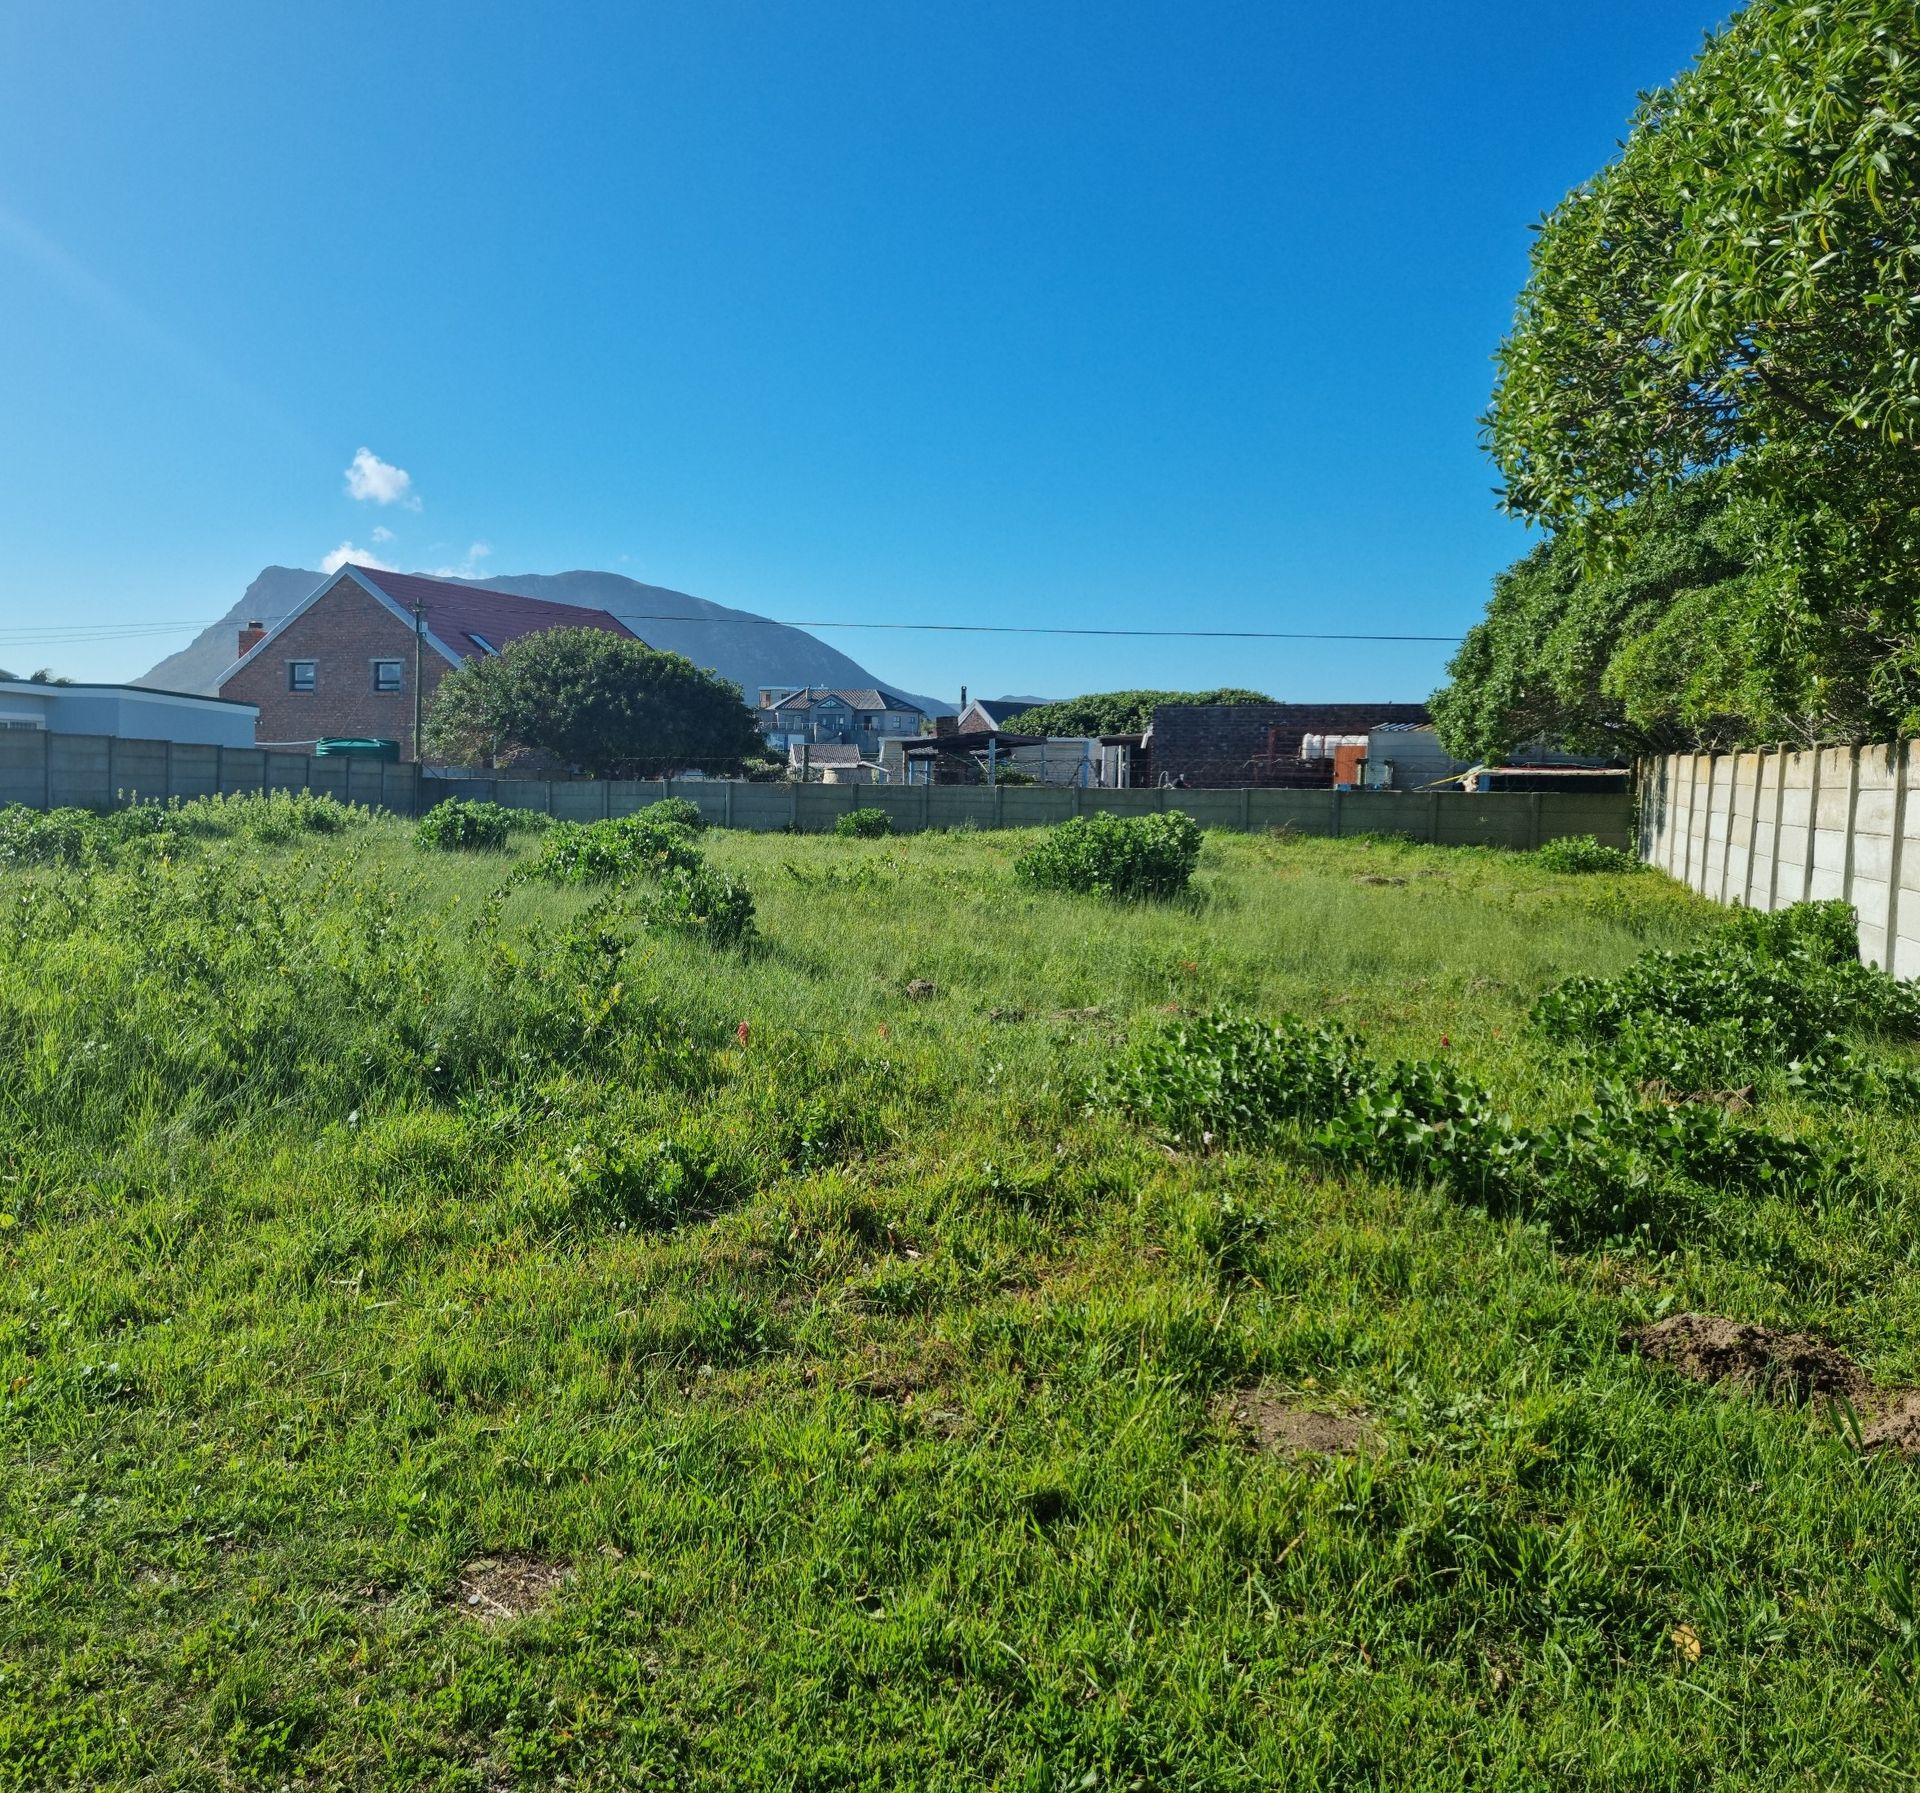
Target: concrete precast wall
x=46 y=771
x=1766 y=829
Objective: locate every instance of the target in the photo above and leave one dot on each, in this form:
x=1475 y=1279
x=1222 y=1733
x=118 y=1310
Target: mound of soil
x=1269 y=1423
x=1790 y=1366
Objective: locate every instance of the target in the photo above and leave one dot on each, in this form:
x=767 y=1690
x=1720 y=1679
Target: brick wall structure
x=1223 y=746
x=343 y=635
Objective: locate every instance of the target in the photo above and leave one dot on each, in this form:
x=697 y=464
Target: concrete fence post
x=1333 y=814
x=1853 y=809
x=1433 y=818
x=1896 y=855
x=926 y=803
x=1533 y=821
x=726 y=820
x=1813 y=823
x=1246 y=809
x=999 y=806
x=1779 y=807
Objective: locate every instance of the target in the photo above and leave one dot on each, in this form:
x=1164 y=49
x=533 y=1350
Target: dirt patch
x=922 y=989
x=1784 y=1366
x=1377 y=878
x=1269 y=1422
x=1894 y=1424
x=494 y=1589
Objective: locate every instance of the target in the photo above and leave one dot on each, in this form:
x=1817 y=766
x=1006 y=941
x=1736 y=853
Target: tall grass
x=374 y=1213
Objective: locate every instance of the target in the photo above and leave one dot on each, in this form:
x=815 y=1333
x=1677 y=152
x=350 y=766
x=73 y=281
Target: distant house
x=127 y=712
x=990 y=714
x=831 y=763
x=342 y=662
x=815 y=715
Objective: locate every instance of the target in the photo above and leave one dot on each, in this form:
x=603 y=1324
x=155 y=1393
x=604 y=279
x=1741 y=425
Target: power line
x=126 y=631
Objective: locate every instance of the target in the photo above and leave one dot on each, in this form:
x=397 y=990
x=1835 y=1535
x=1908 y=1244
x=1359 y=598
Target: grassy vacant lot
x=461 y=1340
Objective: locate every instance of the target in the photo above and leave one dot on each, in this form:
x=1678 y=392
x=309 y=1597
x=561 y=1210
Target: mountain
x=750 y=650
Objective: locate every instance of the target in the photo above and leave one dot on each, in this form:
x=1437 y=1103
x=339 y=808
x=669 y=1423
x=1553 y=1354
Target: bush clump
x=1771 y=999
x=863 y=824
x=598 y=852
x=681 y=810
x=458 y=826
x=1126 y=858
x=1582 y=853
x=684 y=895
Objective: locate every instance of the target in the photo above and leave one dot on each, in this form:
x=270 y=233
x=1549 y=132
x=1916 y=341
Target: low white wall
x=1770 y=828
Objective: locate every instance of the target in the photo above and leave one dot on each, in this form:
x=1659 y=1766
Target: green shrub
x=460 y=826
x=700 y=902
x=681 y=810
x=597 y=852
x=1582 y=853
x=863 y=824
x=1122 y=857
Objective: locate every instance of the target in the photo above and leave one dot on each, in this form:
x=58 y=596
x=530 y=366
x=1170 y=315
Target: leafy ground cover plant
x=863 y=824
x=1777 y=1000
x=1126 y=858
x=1582 y=853
x=1616 y=1170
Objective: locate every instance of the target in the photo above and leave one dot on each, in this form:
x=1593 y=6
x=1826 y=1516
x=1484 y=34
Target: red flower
x=741 y=1032
x=1444 y=1041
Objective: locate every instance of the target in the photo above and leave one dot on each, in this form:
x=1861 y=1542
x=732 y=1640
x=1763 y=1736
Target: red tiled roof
x=456 y=614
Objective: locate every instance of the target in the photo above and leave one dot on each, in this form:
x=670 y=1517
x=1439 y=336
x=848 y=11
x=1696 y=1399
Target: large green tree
x=1738 y=293
x=589 y=698
x=1118 y=712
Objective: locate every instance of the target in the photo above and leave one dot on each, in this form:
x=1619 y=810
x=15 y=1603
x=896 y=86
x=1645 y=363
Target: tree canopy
x=1737 y=295
x=589 y=698
x=1119 y=712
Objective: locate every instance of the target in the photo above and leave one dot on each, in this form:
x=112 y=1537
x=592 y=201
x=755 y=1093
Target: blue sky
x=1158 y=315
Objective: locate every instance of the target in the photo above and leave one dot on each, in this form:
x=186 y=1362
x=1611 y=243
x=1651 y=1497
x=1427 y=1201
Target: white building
x=130 y=712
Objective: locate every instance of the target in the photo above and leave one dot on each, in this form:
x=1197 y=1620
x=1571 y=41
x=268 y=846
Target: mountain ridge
x=740 y=645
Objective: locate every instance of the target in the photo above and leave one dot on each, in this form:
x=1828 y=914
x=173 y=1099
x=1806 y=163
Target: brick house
x=341 y=663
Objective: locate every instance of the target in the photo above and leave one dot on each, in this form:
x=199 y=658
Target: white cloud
x=470 y=568
x=373 y=480
x=381 y=533
x=360 y=557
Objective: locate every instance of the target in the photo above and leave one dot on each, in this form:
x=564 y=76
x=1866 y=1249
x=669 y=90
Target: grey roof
x=1403 y=728
x=860 y=697
x=824 y=753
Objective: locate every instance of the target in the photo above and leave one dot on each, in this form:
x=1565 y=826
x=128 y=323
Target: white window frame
x=399 y=676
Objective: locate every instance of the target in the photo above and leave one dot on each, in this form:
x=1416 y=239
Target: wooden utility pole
x=419 y=638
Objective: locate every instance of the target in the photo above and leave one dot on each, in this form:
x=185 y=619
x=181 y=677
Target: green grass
x=365 y=1223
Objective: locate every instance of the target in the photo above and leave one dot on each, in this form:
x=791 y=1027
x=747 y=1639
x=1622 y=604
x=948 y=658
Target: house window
x=386 y=675
x=482 y=643
x=301 y=674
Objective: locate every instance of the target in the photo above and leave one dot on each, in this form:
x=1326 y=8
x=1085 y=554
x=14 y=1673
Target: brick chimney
x=250 y=637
